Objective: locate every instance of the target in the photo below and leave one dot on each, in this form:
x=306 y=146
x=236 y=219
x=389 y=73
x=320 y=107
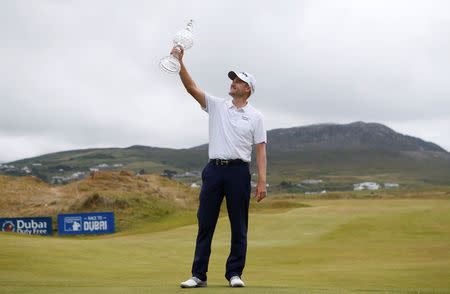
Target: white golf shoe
x=236 y=282
x=193 y=283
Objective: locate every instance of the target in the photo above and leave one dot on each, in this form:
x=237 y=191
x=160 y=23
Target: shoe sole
x=237 y=286
x=196 y=286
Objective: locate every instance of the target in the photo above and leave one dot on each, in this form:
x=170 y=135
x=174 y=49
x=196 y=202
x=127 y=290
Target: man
x=234 y=126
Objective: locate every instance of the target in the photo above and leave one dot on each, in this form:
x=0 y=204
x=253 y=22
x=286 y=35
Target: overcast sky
x=83 y=74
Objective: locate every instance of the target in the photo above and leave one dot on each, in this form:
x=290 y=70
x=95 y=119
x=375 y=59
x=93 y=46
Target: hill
x=357 y=135
x=340 y=155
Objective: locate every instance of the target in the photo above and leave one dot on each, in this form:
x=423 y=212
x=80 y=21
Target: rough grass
x=134 y=199
x=332 y=246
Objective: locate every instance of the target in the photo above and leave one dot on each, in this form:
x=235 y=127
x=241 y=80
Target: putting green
x=336 y=246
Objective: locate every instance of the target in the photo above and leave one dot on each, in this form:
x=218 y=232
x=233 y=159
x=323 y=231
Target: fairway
x=332 y=246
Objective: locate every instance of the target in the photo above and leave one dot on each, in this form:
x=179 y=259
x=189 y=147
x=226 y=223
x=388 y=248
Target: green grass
x=323 y=246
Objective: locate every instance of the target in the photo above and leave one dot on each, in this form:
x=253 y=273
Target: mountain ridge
x=322 y=136
x=293 y=154
x=329 y=136
x=353 y=135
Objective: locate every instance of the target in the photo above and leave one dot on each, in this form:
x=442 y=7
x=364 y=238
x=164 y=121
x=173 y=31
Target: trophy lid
x=189 y=25
x=184 y=37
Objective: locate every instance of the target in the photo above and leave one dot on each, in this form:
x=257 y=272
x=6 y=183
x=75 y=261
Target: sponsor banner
x=27 y=225
x=86 y=223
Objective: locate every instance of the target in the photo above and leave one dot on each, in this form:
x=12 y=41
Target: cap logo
x=249 y=82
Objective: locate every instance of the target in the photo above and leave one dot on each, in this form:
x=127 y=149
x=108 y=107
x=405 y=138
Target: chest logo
x=245 y=118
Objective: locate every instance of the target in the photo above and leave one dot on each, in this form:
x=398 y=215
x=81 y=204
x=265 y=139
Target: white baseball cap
x=246 y=77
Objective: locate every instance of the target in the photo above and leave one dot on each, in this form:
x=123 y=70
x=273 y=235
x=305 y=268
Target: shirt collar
x=230 y=104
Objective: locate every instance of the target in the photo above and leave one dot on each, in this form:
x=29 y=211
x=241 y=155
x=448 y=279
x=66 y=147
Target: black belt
x=227 y=161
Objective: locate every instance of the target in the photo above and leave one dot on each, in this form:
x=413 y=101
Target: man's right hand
x=178 y=52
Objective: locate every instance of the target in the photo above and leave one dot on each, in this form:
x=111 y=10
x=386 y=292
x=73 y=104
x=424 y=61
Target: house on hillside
x=366 y=186
x=311 y=182
x=58 y=180
x=390 y=185
x=64 y=180
x=189 y=174
x=8 y=168
x=77 y=176
x=312 y=193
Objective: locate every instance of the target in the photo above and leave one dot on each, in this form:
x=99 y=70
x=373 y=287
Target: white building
x=390 y=185
x=312 y=193
x=7 y=166
x=309 y=181
x=58 y=180
x=77 y=176
x=366 y=186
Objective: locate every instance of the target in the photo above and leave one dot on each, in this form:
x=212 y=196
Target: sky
x=85 y=74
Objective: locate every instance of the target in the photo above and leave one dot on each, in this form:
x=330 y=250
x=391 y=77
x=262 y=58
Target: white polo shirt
x=233 y=131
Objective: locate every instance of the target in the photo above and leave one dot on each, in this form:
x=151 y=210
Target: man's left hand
x=260 y=191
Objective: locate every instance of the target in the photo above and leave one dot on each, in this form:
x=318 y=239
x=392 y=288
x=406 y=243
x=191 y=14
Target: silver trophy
x=183 y=39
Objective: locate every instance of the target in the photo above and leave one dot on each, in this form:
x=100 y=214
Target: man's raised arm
x=188 y=82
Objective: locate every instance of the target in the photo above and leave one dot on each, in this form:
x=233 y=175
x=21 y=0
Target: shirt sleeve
x=260 y=134
x=211 y=103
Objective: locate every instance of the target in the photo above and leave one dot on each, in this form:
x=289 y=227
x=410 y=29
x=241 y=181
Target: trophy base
x=170 y=65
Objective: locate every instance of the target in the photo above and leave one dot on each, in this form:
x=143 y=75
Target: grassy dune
x=323 y=246
x=135 y=200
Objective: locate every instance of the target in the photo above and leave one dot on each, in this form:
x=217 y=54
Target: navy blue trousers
x=233 y=182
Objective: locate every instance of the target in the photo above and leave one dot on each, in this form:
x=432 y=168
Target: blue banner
x=27 y=225
x=86 y=223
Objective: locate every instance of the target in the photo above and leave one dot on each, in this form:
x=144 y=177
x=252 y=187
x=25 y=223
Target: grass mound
x=135 y=200
x=138 y=202
x=95 y=201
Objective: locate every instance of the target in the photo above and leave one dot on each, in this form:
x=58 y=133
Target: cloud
x=80 y=74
